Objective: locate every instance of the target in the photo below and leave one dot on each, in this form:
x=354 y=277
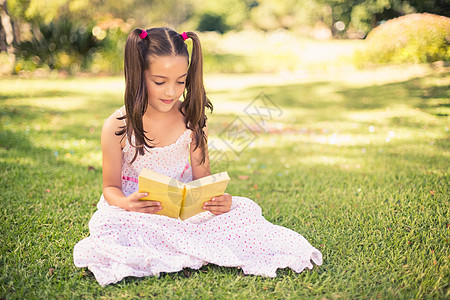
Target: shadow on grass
x=210 y=270
x=413 y=93
x=338 y=97
x=38 y=168
x=26 y=94
x=18 y=142
x=71 y=109
x=182 y=276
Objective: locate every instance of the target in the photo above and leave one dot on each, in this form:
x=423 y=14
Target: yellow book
x=178 y=199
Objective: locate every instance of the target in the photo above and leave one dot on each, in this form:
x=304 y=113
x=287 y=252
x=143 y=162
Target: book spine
x=183 y=196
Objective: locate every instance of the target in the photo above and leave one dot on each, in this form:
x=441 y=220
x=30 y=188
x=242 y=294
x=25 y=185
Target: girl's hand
x=143 y=206
x=219 y=204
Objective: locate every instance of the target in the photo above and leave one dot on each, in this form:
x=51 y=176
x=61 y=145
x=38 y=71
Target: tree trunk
x=8 y=33
x=3 y=46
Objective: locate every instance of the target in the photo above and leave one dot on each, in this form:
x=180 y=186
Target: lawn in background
x=357 y=163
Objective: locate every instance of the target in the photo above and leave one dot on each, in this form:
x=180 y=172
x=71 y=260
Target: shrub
x=72 y=46
x=58 y=45
x=414 y=38
x=212 y=22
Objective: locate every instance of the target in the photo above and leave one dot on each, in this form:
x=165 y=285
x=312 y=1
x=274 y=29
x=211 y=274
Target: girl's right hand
x=143 y=206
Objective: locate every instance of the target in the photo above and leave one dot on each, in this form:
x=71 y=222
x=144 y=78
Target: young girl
x=157 y=131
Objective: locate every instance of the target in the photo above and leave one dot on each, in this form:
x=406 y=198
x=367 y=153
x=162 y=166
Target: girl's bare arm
x=217 y=205
x=112 y=171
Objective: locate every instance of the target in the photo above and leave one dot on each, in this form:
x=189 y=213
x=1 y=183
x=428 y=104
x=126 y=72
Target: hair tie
x=184 y=36
x=143 y=34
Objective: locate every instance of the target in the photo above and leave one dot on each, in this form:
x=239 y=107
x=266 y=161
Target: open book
x=178 y=199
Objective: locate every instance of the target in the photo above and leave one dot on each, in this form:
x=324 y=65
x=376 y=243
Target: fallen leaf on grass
x=243 y=177
x=432 y=193
x=50 y=271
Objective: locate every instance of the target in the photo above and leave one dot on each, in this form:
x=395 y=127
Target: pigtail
x=136 y=99
x=195 y=99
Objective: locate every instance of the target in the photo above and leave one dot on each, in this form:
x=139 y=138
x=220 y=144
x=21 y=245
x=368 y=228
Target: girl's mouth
x=167 y=101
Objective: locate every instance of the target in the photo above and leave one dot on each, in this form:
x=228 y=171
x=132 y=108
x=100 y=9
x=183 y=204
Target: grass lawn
x=357 y=163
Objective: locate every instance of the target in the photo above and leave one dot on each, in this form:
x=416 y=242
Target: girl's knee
x=246 y=204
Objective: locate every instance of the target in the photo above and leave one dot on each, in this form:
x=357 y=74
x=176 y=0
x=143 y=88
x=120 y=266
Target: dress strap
x=185 y=169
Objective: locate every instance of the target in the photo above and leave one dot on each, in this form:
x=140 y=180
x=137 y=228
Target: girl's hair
x=162 y=42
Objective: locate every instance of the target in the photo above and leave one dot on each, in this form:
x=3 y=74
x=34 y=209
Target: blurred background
x=57 y=38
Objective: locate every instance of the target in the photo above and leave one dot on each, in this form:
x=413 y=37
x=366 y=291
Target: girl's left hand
x=219 y=205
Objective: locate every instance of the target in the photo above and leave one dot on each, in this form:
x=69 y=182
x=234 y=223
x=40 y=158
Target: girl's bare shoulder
x=113 y=124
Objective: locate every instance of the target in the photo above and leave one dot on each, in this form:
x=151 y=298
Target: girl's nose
x=170 y=91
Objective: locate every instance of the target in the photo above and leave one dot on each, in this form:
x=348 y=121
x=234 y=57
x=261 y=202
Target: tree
x=363 y=15
x=287 y=14
x=220 y=15
x=7 y=38
x=438 y=7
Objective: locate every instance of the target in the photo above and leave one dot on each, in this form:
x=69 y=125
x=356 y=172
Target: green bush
x=414 y=38
x=61 y=45
x=70 y=46
x=212 y=22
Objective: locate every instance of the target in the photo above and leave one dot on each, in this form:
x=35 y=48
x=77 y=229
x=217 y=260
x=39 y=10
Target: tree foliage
x=288 y=14
x=61 y=44
x=223 y=15
x=39 y=27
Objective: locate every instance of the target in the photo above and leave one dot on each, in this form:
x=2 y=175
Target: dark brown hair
x=162 y=42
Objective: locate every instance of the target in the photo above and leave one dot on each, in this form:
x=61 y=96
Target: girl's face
x=165 y=80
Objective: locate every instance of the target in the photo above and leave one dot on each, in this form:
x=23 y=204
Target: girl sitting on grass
x=158 y=131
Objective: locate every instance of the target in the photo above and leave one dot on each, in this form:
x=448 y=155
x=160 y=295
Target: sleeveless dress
x=124 y=243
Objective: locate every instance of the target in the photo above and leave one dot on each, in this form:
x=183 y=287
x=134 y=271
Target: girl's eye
x=159 y=83
x=181 y=82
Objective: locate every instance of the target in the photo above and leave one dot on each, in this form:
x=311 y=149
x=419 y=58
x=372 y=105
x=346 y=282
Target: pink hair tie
x=143 y=34
x=184 y=36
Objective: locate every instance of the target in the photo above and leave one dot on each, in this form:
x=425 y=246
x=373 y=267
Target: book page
x=201 y=190
x=164 y=189
x=215 y=178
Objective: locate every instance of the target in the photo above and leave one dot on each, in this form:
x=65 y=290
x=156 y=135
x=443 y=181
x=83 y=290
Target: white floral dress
x=124 y=243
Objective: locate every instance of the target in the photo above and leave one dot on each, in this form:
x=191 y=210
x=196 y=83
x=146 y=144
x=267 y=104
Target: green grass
x=358 y=164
